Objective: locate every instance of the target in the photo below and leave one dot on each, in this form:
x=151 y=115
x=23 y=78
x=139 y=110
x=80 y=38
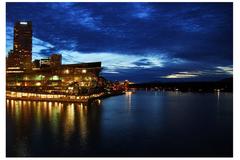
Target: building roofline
x=83 y=65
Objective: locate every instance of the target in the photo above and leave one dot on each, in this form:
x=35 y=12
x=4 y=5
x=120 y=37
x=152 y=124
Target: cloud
x=114 y=61
x=138 y=40
x=9 y=38
x=189 y=25
x=142 y=11
x=225 y=69
x=110 y=71
x=77 y=15
x=86 y=19
x=216 y=71
x=183 y=75
x=195 y=18
x=39 y=45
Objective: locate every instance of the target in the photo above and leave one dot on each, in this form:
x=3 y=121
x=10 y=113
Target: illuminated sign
x=24 y=23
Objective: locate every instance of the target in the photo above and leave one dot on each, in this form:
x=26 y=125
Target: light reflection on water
x=83 y=122
x=143 y=123
x=59 y=119
x=128 y=96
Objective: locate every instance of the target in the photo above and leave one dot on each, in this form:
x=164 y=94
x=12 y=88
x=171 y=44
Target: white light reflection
x=69 y=122
x=82 y=110
x=129 y=98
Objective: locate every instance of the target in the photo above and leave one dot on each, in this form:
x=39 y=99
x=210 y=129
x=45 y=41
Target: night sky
x=141 y=42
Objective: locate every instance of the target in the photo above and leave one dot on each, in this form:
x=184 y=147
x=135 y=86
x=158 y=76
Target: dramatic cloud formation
x=190 y=74
x=136 y=41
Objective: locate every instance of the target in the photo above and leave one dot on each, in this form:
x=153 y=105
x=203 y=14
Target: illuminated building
x=74 y=79
x=47 y=75
x=56 y=60
x=22 y=48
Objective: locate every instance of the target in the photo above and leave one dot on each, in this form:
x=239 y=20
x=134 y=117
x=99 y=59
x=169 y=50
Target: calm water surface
x=140 y=124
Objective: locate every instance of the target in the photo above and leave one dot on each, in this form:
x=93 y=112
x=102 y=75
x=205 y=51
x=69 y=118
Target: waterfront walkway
x=49 y=99
x=58 y=98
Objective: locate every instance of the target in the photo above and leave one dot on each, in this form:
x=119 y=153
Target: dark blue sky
x=136 y=41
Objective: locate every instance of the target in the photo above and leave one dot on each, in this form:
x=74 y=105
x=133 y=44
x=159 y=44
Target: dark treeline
x=222 y=85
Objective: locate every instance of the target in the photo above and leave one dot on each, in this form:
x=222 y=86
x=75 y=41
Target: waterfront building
x=74 y=79
x=22 y=47
x=47 y=75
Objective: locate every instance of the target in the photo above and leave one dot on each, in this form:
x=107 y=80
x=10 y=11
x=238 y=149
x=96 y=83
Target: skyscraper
x=23 y=44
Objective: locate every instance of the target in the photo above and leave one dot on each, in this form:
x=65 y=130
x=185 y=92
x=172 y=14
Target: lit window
x=38 y=84
x=66 y=71
x=84 y=71
x=25 y=78
x=55 y=77
x=39 y=77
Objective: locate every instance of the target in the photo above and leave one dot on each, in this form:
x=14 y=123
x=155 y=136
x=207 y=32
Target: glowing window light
x=84 y=71
x=25 y=78
x=15 y=71
x=38 y=84
x=39 y=77
x=24 y=23
x=55 y=77
x=66 y=71
x=13 y=68
x=19 y=94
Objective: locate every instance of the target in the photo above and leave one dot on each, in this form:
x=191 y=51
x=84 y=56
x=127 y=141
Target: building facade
x=21 y=55
x=74 y=79
x=56 y=60
x=47 y=75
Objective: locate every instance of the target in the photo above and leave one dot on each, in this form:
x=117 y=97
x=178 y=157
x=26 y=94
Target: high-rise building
x=23 y=44
x=56 y=60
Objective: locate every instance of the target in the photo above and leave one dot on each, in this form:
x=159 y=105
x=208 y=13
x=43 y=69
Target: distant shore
x=225 y=85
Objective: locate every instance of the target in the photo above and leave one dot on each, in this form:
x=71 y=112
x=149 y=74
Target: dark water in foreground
x=141 y=124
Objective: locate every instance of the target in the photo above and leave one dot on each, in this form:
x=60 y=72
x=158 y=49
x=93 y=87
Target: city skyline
x=119 y=79
x=140 y=42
